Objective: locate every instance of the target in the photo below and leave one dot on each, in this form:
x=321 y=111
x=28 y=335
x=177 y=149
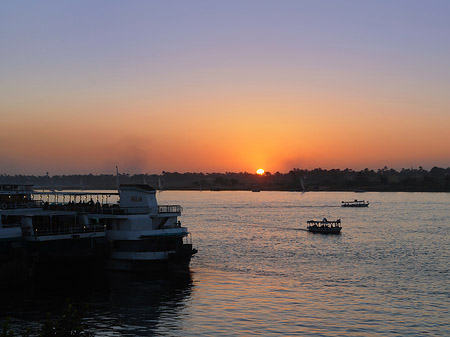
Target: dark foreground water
x=258 y=272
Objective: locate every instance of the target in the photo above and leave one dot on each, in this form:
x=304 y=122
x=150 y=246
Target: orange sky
x=275 y=134
x=85 y=89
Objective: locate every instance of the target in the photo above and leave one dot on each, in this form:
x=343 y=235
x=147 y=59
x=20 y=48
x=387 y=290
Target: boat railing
x=64 y=230
x=10 y=225
x=170 y=209
x=113 y=209
x=161 y=209
x=18 y=205
x=324 y=222
x=84 y=208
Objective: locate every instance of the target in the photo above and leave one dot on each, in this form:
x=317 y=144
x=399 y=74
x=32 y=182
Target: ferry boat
x=12 y=245
x=15 y=196
x=146 y=236
x=355 y=203
x=324 y=226
x=135 y=234
x=50 y=237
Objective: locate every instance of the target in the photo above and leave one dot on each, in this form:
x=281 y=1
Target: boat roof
x=139 y=186
x=16 y=188
x=73 y=193
x=324 y=221
x=8 y=187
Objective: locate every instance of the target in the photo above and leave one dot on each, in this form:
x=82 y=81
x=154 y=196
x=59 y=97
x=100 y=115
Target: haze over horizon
x=232 y=86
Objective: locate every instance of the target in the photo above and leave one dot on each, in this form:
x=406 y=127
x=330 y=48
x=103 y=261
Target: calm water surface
x=258 y=272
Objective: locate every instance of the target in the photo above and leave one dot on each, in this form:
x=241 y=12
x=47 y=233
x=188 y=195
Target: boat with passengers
x=47 y=232
x=324 y=226
x=133 y=234
x=355 y=203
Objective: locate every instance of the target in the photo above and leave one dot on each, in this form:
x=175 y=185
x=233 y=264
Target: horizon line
x=267 y=172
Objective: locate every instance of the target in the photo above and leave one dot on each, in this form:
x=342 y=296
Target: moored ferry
x=147 y=236
x=13 y=196
x=50 y=238
x=135 y=234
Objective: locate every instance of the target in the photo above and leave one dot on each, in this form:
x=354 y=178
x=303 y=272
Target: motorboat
x=324 y=226
x=355 y=203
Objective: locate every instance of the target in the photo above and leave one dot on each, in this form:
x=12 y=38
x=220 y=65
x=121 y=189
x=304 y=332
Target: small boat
x=324 y=226
x=355 y=203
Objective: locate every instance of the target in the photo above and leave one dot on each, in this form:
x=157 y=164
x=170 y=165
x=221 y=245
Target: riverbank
x=383 y=180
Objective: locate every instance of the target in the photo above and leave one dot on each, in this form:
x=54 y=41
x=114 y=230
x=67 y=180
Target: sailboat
x=302 y=184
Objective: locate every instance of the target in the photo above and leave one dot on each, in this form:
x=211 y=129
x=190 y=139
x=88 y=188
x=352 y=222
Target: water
x=258 y=272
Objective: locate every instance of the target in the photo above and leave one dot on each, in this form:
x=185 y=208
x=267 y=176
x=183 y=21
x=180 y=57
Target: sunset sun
x=260 y=171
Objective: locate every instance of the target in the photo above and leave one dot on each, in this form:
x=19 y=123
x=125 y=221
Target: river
x=258 y=272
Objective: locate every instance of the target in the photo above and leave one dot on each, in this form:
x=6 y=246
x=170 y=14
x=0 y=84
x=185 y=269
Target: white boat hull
x=151 y=261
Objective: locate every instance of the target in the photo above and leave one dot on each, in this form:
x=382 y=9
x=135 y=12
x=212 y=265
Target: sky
x=223 y=86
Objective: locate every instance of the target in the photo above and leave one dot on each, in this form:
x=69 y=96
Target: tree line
x=386 y=179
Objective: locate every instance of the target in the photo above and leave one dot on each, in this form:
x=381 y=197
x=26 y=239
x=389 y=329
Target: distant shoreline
x=297 y=180
x=245 y=190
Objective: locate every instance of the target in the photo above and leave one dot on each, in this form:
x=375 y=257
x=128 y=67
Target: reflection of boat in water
x=130 y=304
x=355 y=203
x=324 y=226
